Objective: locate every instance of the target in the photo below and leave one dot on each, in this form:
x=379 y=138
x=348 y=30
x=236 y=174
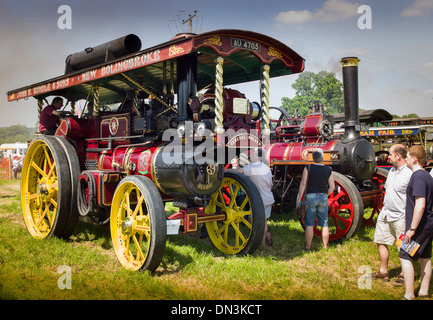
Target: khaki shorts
x=387 y=232
x=268 y=210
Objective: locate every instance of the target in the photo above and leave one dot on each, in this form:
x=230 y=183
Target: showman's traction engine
x=160 y=125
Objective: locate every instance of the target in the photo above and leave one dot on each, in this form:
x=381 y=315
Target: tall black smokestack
x=187 y=83
x=351 y=103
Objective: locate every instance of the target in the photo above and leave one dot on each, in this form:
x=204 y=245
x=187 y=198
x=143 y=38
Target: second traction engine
x=351 y=157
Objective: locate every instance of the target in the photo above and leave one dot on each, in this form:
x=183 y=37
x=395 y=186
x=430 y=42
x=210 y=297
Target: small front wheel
x=242 y=230
x=138 y=224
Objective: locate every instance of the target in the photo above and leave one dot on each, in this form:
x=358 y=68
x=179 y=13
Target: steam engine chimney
x=351 y=103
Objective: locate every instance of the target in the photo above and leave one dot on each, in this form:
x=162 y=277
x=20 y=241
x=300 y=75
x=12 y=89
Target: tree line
x=16 y=133
x=322 y=86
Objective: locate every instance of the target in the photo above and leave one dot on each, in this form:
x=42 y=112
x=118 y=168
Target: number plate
x=245 y=44
x=173 y=226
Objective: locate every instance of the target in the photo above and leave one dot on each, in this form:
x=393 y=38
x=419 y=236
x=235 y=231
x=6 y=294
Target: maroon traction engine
x=359 y=185
x=160 y=127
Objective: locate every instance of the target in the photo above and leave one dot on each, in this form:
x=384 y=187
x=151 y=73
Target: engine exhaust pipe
x=352 y=125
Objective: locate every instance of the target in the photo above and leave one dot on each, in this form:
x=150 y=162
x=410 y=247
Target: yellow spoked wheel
x=46 y=189
x=138 y=224
x=243 y=229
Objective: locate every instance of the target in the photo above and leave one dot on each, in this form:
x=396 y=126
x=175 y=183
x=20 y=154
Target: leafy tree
x=410 y=115
x=322 y=86
x=15 y=133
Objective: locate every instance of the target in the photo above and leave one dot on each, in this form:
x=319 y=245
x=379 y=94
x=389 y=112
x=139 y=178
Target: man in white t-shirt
x=261 y=175
x=391 y=220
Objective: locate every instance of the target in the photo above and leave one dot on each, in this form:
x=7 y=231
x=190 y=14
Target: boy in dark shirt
x=419 y=222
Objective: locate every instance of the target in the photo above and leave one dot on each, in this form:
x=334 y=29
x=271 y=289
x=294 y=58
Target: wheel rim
x=340 y=216
x=345 y=210
x=379 y=180
x=130 y=226
x=233 y=234
x=39 y=190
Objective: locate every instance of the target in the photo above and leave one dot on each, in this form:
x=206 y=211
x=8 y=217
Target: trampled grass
x=192 y=269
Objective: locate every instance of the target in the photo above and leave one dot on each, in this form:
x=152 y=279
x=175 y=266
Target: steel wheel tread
x=75 y=170
x=45 y=189
x=138 y=224
x=242 y=231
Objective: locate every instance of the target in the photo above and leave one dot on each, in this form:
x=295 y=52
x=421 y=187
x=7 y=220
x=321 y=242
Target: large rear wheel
x=243 y=229
x=74 y=170
x=138 y=224
x=46 y=189
x=345 y=210
x=379 y=179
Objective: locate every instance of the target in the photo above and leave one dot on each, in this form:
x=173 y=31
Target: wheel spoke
x=233 y=196
x=139 y=254
x=32 y=196
x=238 y=234
x=247 y=223
x=127 y=242
x=233 y=235
x=335 y=198
x=42 y=217
x=244 y=203
x=53 y=202
x=37 y=168
x=47 y=155
x=127 y=204
x=138 y=207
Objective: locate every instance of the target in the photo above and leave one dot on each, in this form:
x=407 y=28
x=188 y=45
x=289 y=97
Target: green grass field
x=192 y=269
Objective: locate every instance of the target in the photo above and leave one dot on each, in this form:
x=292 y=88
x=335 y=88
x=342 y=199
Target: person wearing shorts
x=419 y=223
x=391 y=222
x=261 y=175
x=318 y=180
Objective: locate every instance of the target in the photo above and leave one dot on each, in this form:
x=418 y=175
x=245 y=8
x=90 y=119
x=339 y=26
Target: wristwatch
x=412 y=229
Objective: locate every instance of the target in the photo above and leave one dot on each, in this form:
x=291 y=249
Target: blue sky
x=395 y=72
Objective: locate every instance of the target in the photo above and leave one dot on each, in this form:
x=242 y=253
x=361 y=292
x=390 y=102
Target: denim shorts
x=317 y=205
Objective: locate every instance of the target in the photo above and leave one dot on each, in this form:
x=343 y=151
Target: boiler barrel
x=177 y=174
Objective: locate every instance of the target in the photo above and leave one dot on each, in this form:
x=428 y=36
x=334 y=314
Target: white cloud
x=332 y=10
x=428 y=65
x=418 y=8
x=294 y=17
x=355 y=51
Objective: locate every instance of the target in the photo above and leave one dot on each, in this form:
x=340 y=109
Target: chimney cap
x=349 y=61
